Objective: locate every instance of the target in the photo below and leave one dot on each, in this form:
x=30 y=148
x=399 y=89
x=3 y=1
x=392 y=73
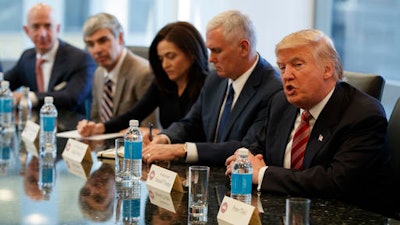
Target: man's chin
x=222 y=74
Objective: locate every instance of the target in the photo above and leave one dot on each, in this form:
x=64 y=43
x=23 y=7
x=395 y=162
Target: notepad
x=110 y=153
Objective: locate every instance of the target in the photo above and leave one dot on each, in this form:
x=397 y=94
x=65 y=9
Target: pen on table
x=150 y=131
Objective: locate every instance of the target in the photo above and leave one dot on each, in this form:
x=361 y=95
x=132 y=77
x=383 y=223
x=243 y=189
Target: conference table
x=85 y=193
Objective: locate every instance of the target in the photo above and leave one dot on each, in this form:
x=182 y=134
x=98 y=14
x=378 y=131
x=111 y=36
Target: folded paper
x=234 y=212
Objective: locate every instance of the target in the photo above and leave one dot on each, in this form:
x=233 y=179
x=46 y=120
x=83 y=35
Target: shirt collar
x=50 y=55
x=239 y=83
x=317 y=109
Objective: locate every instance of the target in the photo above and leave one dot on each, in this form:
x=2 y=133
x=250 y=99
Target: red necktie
x=300 y=140
x=39 y=74
x=107 y=102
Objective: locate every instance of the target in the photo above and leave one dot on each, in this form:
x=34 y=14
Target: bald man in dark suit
x=67 y=71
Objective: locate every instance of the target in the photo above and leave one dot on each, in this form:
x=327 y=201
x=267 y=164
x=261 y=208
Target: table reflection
x=86 y=194
x=96 y=197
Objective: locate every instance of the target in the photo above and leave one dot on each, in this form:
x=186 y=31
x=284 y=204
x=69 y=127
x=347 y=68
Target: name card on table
x=76 y=151
x=165 y=200
x=234 y=212
x=163 y=179
x=81 y=169
x=30 y=137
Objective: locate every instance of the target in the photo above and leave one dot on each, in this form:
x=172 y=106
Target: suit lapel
x=58 y=66
x=287 y=117
x=249 y=90
x=31 y=70
x=120 y=85
x=323 y=128
x=215 y=112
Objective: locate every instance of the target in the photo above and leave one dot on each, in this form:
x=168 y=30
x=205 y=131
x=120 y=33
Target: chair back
x=394 y=137
x=371 y=84
x=140 y=51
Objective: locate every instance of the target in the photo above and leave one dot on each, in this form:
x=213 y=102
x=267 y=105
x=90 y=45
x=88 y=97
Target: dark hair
x=188 y=39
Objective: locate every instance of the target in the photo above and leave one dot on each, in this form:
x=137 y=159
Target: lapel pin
x=320 y=138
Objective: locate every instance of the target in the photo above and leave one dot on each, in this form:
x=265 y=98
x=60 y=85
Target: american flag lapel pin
x=320 y=138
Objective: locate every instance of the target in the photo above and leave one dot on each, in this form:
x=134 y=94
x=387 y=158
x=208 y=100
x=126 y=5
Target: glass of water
x=198 y=194
x=123 y=177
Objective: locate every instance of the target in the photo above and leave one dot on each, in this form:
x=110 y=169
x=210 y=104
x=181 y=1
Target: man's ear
x=329 y=70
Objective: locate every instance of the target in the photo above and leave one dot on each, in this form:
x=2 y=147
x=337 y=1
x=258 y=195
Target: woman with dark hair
x=178 y=58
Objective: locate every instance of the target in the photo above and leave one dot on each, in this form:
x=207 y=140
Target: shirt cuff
x=261 y=177
x=192 y=154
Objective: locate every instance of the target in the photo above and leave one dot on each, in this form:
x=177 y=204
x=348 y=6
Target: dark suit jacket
x=346 y=156
x=199 y=125
x=71 y=77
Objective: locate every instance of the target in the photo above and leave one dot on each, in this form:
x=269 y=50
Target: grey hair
x=102 y=21
x=321 y=45
x=235 y=26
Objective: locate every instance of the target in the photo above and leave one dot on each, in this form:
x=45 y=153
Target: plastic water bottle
x=6 y=149
x=242 y=173
x=48 y=127
x=133 y=151
x=6 y=108
x=46 y=175
x=1 y=77
x=24 y=108
x=131 y=204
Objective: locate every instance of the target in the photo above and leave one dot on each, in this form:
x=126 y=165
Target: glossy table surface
x=86 y=194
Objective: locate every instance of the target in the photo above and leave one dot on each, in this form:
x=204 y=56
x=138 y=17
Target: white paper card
x=163 y=179
x=234 y=212
x=75 y=135
x=81 y=169
x=31 y=131
x=76 y=151
x=31 y=147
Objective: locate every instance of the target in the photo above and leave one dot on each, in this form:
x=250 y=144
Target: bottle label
x=48 y=123
x=5 y=153
x=133 y=150
x=241 y=183
x=47 y=175
x=7 y=105
x=131 y=208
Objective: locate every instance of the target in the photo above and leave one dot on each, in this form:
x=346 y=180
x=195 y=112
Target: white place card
x=81 y=169
x=163 y=179
x=31 y=147
x=165 y=200
x=77 y=151
x=232 y=212
x=31 y=132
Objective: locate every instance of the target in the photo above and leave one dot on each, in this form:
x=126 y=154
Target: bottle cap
x=48 y=99
x=134 y=123
x=5 y=84
x=243 y=151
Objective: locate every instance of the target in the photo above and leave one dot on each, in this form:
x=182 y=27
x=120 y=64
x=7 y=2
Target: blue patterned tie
x=225 y=114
